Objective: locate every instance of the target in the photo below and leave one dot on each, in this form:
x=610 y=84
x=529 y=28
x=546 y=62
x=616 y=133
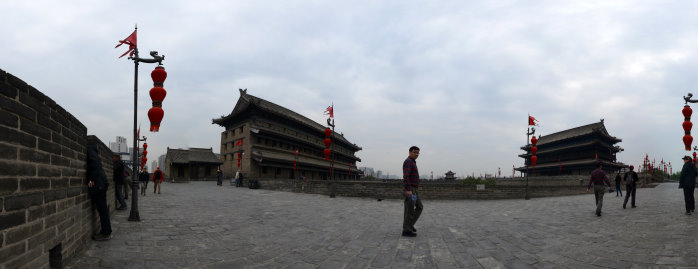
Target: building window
x=241 y=129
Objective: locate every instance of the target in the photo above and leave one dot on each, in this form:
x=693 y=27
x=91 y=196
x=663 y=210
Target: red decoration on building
x=327 y=142
x=534 y=159
x=328 y=132
x=534 y=150
x=327 y=153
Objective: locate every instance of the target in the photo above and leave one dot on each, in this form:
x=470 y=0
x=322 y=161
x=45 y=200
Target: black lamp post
x=135 y=215
x=529 y=133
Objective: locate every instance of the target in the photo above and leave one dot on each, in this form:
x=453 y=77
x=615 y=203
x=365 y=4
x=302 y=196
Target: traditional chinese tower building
x=574 y=152
x=266 y=137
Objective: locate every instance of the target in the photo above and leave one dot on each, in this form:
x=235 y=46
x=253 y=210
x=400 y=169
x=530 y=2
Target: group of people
x=598 y=179
x=98 y=184
x=237 y=180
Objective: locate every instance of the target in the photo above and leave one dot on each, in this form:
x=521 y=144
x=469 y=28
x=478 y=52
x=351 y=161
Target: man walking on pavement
x=687 y=182
x=157 y=180
x=413 y=203
x=97 y=185
x=630 y=187
x=598 y=178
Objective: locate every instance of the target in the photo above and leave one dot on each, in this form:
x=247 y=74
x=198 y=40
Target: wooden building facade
x=266 y=137
x=194 y=164
x=574 y=152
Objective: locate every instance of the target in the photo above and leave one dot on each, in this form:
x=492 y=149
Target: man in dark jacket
x=119 y=182
x=687 y=182
x=97 y=185
x=598 y=180
x=630 y=187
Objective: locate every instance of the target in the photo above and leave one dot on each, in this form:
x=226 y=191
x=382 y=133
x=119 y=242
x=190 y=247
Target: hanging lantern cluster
x=534 y=150
x=157 y=94
x=239 y=158
x=294 y=161
x=687 y=125
x=144 y=158
x=328 y=143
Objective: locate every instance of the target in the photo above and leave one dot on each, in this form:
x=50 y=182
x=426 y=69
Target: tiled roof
x=193 y=155
x=576 y=132
x=246 y=100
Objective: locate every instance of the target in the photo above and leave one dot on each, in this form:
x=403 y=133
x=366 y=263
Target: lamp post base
x=134 y=216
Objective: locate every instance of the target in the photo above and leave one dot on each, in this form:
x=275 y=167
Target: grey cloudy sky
x=456 y=78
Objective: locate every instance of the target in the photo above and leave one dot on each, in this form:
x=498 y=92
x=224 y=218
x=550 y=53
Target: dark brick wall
x=43 y=194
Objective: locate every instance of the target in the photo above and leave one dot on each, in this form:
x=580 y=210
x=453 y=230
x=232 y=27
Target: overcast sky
x=456 y=78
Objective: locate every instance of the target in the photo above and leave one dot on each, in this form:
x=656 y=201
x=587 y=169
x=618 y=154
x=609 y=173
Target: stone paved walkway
x=200 y=225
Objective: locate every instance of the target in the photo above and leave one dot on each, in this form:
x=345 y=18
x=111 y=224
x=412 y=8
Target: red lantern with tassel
x=327 y=153
x=534 y=159
x=534 y=150
x=155 y=115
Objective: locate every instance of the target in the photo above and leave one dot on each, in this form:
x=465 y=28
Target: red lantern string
x=157 y=94
x=687 y=125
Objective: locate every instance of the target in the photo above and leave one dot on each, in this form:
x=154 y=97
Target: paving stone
x=200 y=225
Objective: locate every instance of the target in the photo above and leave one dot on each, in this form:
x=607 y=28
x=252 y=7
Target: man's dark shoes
x=633 y=206
x=688 y=212
x=414 y=230
x=101 y=237
x=598 y=214
x=409 y=234
x=623 y=206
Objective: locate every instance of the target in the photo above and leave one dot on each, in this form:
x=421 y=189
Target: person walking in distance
x=118 y=174
x=687 y=182
x=630 y=187
x=618 y=190
x=413 y=203
x=598 y=178
x=97 y=185
x=219 y=174
x=143 y=179
x=157 y=180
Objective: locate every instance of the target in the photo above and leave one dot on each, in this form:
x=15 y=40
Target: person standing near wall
x=618 y=190
x=413 y=203
x=630 y=187
x=598 y=179
x=97 y=186
x=687 y=182
x=157 y=180
x=119 y=181
x=219 y=174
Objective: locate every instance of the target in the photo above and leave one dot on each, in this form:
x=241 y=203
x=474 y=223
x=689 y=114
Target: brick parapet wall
x=512 y=189
x=43 y=195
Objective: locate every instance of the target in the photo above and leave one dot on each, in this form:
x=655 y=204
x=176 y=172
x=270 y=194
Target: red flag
x=329 y=111
x=131 y=42
x=238 y=143
x=532 y=120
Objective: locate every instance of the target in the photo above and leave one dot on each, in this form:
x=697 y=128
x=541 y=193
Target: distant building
x=379 y=174
x=161 y=163
x=195 y=164
x=266 y=137
x=450 y=175
x=574 y=152
x=368 y=171
x=121 y=148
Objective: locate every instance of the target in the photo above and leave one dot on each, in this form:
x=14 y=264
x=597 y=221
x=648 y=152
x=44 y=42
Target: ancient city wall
x=46 y=215
x=447 y=190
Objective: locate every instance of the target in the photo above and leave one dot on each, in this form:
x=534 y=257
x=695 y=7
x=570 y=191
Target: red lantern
x=328 y=132
x=694 y=154
x=158 y=75
x=687 y=111
x=145 y=146
x=687 y=140
x=327 y=153
x=155 y=115
x=534 y=159
x=328 y=142
x=534 y=150
x=145 y=152
x=534 y=140
x=157 y=94
x=687 y=125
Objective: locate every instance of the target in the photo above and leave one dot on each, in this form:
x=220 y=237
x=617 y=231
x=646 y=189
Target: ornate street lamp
x=133 y=50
